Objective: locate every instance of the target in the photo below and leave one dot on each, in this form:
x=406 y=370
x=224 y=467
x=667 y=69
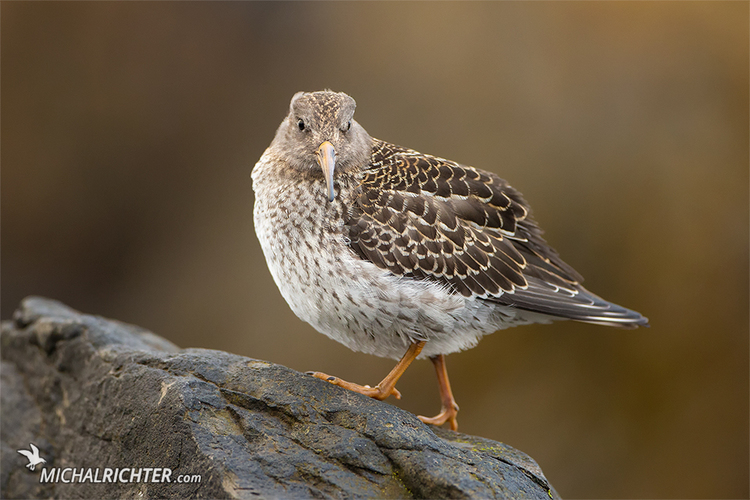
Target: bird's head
x=319 y=137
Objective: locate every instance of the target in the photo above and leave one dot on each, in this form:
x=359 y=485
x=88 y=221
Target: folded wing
x=424 y=217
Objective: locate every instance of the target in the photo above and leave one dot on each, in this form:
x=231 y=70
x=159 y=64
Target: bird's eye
x=346 y=127
x=301 y=124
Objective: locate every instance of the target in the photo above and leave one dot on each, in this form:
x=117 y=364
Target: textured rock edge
x=93 y=392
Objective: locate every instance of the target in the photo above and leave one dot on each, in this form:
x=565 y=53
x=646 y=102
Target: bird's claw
x=376 y=392
x=445 y=415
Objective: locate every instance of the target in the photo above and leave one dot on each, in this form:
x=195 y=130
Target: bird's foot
x=377 y=392
x=446 y=415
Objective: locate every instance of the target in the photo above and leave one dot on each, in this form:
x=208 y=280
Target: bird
x=33 y=456
x=400 y=254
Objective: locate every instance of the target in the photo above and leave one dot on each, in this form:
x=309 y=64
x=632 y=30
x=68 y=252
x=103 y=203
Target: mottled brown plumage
x=389 y=250
x=429 y=218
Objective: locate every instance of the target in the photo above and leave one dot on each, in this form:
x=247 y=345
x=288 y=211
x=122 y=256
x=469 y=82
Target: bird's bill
x=327 y=161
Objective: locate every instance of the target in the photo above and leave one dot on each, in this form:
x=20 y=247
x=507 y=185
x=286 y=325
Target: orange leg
x=449 y=408
x=387 y=386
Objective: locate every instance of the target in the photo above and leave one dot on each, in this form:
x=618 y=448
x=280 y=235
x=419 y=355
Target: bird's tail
x=574 y=303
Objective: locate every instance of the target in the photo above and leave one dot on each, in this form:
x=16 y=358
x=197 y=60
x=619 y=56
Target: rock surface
x=96 y=393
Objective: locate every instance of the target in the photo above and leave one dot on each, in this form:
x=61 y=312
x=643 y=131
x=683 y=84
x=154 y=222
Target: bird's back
x=427 y=218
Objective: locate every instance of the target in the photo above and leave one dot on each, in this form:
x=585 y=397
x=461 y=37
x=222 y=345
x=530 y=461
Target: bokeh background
x=129 y=131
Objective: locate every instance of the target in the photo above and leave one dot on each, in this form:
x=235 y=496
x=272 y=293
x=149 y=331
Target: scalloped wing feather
x=425 y=217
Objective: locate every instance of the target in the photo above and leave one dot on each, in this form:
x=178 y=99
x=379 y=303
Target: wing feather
x=424 y=217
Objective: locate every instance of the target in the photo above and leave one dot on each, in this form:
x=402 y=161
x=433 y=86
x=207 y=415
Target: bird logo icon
x=33 y=456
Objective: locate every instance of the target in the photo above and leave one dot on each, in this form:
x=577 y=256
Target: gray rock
x=95 y=393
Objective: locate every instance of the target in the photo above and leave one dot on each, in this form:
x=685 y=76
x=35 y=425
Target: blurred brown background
x=129 y=131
